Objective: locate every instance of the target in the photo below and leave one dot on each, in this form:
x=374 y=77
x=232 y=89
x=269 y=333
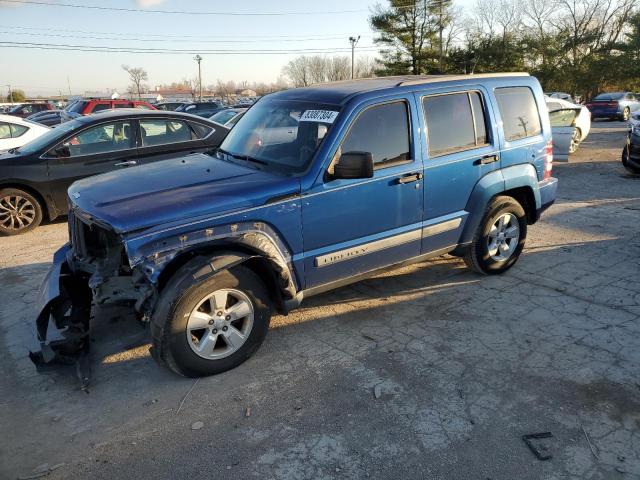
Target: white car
x=582 y=121
x=16 y=132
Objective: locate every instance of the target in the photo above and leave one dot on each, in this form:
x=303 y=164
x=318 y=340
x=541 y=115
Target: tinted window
x=382 y=130
x=5 y=131
x=609 y=96
x=160 y=132
x=122 y=105
x=455 y=122
x=108 y=137
x=520 y=118
x=201 y=130
x=101 y=106
x=17 y=130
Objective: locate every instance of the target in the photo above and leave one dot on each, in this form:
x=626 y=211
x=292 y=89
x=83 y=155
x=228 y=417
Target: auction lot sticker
x=324 y=116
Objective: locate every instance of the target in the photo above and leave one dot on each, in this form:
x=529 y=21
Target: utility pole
x=441 y=4
x=69 y=86
x=198 y=59
x=354 y=42
x=10 y=94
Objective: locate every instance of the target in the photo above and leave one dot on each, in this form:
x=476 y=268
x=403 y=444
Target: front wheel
x=500 y=237
x=204 y=327
x=625 y=161
x=625 y=114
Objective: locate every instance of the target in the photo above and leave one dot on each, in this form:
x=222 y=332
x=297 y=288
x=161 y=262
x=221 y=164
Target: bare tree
x=297 y=70
x=137 y=75
x=338 y=68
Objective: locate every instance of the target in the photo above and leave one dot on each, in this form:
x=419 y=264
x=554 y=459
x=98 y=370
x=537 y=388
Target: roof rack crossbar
x=447 y=78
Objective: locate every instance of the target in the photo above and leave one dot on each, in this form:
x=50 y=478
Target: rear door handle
x=414 y=177
x=128 y=163
x=487 y=159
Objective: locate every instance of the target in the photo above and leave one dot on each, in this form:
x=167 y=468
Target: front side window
x=280 y=135
x=519 y=112
x=563 y=118
x=455 y=122
x=162 y=132
x=18 y=130
x=382 y=130
x=101 y=106
x=104 y=138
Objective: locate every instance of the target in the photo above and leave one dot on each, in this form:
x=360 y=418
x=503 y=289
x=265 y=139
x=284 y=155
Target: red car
x=23 y=110
x=94 y=105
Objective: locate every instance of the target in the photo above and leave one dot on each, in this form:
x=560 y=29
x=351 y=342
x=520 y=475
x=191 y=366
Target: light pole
x=10 y=94
x=198 y=59
x=354 y=42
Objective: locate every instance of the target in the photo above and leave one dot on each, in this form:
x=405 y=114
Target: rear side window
x=455 y=122
x=519 y=112
x=162 y=132
x=382 y=130
x=201 y=130
x=17 y=130
x=122 y=105
x=104 y=138
x=5 y=131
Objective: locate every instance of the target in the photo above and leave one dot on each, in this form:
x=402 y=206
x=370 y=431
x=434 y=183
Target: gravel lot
x=427 y=372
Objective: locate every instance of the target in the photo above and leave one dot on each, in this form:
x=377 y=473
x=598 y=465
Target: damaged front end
x=91 y=269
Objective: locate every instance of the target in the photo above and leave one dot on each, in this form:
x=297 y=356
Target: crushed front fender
x=62 y=324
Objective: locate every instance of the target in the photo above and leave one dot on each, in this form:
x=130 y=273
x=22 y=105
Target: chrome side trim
x=441 y=227
x=366 y=248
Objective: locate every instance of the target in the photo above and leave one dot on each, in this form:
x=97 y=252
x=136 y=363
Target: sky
x=307 y=25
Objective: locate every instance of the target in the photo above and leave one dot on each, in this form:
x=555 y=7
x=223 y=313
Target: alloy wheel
x=575 y=141
x=220 y=324
x=503 y=237
x=16 y=212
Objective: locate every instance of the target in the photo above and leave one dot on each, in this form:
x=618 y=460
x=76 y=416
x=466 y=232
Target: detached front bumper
x=62 y=324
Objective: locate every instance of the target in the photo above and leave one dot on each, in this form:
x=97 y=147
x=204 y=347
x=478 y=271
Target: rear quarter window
x=519 y=112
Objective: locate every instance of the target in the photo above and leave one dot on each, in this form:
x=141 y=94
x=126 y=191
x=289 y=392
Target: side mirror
x=63 y=150
x=354 y=165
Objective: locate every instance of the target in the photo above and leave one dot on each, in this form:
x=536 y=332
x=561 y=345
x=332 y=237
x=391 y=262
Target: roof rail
x=440 y=78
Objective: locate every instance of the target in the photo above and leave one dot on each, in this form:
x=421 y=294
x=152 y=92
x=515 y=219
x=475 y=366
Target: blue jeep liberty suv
x=314 y=188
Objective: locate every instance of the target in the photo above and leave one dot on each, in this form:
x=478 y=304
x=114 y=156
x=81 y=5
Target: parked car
x=560 y=95
x=15 y=132
x=615 y=105
x=49 y=118
x=228 y=117
x=25 y=109
x=201 y=109
x=38 y=174
x=169 y=106
x=581 y=124
x=381 y=172
x=631 y=150
x=95 y=105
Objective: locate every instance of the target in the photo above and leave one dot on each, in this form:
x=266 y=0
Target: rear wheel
x=625 y=161
x=575 y=140
x=500 y=237
x=20 y=211
x=207 y=326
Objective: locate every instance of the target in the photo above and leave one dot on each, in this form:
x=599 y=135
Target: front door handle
x=487 y=159
x=128 y=163
x=414 y=177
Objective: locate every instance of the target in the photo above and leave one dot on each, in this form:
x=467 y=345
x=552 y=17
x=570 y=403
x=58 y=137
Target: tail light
x=548 y=159
x=612 y=104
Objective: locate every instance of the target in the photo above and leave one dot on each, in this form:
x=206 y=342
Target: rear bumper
x=548 y=189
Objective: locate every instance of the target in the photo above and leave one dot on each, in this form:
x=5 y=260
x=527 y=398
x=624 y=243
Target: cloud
x=149 y=3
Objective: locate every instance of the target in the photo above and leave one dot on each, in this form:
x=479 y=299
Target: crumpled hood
x=172 y=190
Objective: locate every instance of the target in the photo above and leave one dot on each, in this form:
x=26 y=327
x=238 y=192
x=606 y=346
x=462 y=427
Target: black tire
x=477 y=257
x=28 y=206
x=181 y=295
x=625 y=161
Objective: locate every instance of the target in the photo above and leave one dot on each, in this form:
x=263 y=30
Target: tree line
x=577 y=46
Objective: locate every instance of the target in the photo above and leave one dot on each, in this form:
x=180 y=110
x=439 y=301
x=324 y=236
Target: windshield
x=609 y=96
x=283 y=135
x=76 y=106
x=49 y=138
x=15 y=109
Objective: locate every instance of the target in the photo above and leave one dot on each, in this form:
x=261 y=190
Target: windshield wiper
x=243 y=157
